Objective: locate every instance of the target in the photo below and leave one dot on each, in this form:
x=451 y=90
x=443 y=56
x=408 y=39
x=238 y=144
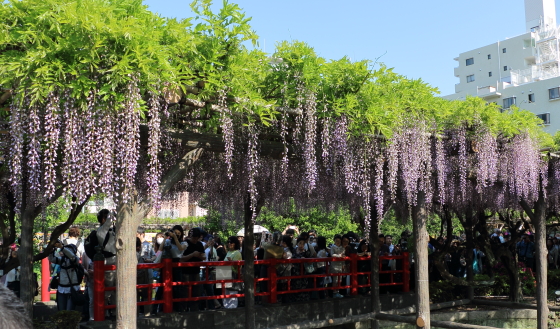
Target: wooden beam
x=441 y=324
x=511 y=304
x=328 y=323
x=433 y=307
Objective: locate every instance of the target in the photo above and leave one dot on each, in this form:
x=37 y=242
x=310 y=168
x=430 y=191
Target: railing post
x=98 y=285
x=272 y=281
x=45 y=280
x=406 y=272
x=167 y=273
x=354 y=274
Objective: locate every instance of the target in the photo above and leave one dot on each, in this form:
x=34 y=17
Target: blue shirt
x=525 y=249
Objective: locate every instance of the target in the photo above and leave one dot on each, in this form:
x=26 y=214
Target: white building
x=182 y=208
x=521 y=71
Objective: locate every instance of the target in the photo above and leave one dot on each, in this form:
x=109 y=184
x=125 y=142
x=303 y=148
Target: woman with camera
x=175 y=238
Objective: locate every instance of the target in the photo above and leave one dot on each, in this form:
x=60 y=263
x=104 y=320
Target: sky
x=419 y=39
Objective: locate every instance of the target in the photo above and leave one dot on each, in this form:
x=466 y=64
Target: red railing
x=166 y=267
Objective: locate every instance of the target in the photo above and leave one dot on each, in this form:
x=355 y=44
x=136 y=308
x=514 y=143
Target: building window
x=489 y=74
x=508 y=102
x=554 y=93
x=505 y=68
x=489 y=56
x=470 y=78
x=504 y=50
x=545 y=117
x=470 y=61
x=531 y=98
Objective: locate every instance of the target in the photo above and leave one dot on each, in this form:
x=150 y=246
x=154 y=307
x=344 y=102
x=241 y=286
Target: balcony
x=488 y=92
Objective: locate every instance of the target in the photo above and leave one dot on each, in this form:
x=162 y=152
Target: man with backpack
x=104 y=237
x=74 y=238
x=71 y=275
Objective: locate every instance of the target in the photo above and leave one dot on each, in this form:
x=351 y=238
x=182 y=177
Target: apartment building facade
x=521 y=71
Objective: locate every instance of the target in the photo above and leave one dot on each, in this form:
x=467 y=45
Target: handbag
x=309 y=267
x=55 y=280
x=77 y=296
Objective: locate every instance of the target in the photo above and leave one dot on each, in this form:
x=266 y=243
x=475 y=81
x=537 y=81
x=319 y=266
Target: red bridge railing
x=166 y=268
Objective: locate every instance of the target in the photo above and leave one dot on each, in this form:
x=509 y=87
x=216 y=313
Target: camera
x=168 y=232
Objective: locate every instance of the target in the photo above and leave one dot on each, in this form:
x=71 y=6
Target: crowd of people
x=72 y=264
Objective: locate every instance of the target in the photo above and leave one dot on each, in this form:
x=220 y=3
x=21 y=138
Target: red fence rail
x=398 y=277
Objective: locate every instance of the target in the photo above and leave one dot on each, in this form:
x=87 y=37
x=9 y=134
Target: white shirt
x=80 y=246
x=13 y=275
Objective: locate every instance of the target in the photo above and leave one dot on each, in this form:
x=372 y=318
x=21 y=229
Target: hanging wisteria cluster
x=83 y=150
x=462 y=167
x=77 y=148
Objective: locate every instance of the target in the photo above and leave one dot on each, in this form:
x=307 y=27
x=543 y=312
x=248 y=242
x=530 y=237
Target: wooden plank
x=511 y=304
x=442 y=324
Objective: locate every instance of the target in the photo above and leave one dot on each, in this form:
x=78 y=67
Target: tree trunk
x=540 y=257
x=374 y=240
x=126 y=265
x=130 y=216
x=25 y=256
x=470 y=253
x=419 y=217
x=249 y=270
x=510 y=262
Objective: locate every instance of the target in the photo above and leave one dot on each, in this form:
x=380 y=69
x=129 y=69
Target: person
x=299 y=269
x=364 y=250
x=106 y=232
x=285 y=270
x=13 y=315
x=526 y=250
x=322 y=252
x=12 y=281
x=220 y=248
x=147 y=252
x=141 y=278
x=307 y=246
x=66 y=257
x=393 y=250
x=240 y=238
x=156 y=275
x=233 y=254
x=337 y=250
x=87 y=309
x=74 y=238
x=312 y=238
x=211 y=256
x=194 y=253
x=292 y=231
x=477 y=260
x=175 y=237
x=272 y=249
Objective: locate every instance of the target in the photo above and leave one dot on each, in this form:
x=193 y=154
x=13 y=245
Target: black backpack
x=77 y=266
x=92 y=241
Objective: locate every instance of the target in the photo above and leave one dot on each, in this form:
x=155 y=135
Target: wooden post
x=353 y=274
x=98 y=285
x=406 y=272
x=540 y=258
x=272 y=283
x=45 y=276
x=419 y=217
x=167 y=275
